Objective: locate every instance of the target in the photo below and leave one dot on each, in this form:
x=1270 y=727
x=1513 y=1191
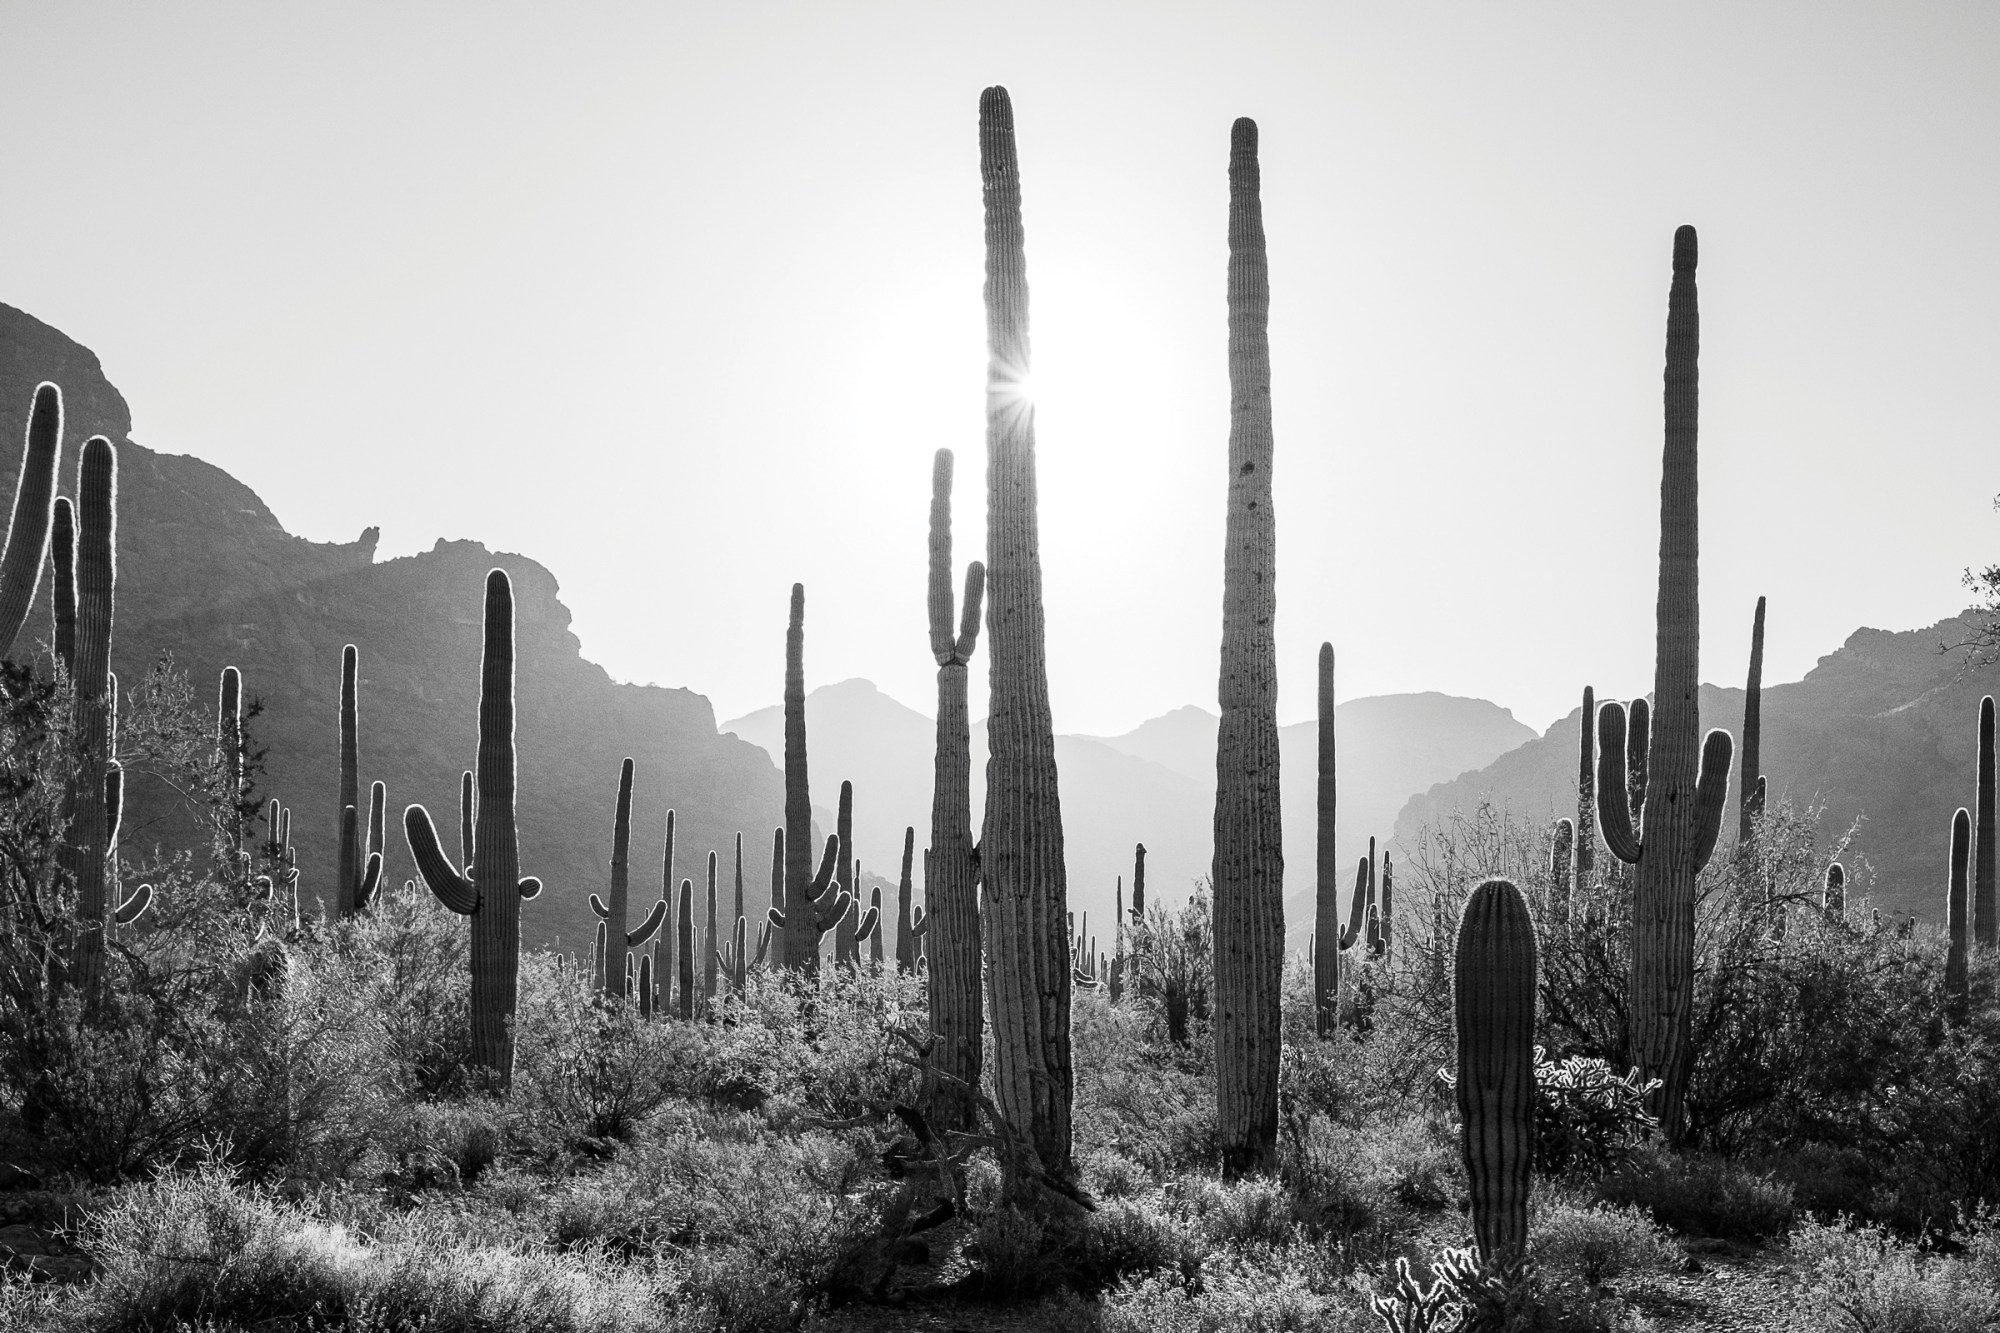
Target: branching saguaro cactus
x=1494 y=999
x=1249 y=864
x=910 y=928
x=1985 y=908
x=1682 y=808
x=619 y=942
x=1326 y=900
x=817 y=908
x=34 y=511
x=1586 y=789
x=81 y=857
x=491 y=888
x=1750 y=794
x=951 y=870
x=1956 y=923
x=1021 y=850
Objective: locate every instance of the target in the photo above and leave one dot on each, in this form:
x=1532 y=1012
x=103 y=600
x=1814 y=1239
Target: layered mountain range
x=1880 y=731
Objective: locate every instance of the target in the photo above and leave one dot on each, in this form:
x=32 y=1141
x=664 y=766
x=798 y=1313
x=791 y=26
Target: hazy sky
x=678 y=300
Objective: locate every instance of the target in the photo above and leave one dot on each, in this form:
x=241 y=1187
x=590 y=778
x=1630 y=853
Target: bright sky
x=679 y=299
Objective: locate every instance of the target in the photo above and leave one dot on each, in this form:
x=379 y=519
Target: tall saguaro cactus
x=801 y=946
x=81 y=855
x=1985 y=910
x=347 y=873
x=619 y=942
x=1021 y=849
x=1683 y=807
x=911 y=926
x=1586 y=789
x=1750 y=793
x=1249 y=860
x=34 y=511
x=1326 y=902
x=846 y=939
x=229 y=754
x=951 y=869
x=1494 y=999
x=491 y=888
x=1955 y=914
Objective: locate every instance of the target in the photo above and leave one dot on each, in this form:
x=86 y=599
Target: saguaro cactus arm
x=1614 y=810
x=34 y=511
x=452 y=889
x=1711 y=795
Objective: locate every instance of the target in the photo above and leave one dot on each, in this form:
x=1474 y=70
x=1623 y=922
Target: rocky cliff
x=208 y=574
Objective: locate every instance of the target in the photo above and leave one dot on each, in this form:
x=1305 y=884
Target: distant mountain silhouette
x=207 y=573
x=1154 y=784
x=1883 y=730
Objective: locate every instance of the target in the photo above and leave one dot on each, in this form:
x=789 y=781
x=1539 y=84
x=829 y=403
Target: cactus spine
x=1021 y=849
x=951 y=869
x=491 y=888
x=1586 y=789
x=1326 y=904
x=1683 y=810
x=1985 y=909
x=1249 y=864
x=34 y=512
x=619 y=941
x=1494 y=999
x=1750 y=797
x=81 y=856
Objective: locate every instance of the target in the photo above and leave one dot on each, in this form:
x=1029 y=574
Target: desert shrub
x=1702 y=1195
x=1021 y=1257
x=409 y=954
x=1587 y=1118
x=1172 y=965
x=1287 y=1291
x=1860 y=1276
x=1367 y=1185
x=1591 y=1244
x=1150 y=1101
x=426 y=1145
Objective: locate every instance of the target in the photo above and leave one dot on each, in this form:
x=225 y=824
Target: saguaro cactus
x=1985 y=909
x=1559 y=859
x=34 y=510
x=1586 y=789
x=777 y=906
x=663 y=943
x=491 y=888
x=1326 y=903
x=1750 y=796
x=951 y=869
x=1955 y=905
x=81 y=855
x=1021 y=850
x=910 y=927
x=801 y=948
x=1138 y=883
x=817 y=908
x=846 y=937
x=1683 y=809
x=1833 y=897
x=347 y=836
x=685 y=951
x=620 y=941
x=1249 y=863
x=62 y=597
x=229 y=755
x=1494 y=998
x=709 y=955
